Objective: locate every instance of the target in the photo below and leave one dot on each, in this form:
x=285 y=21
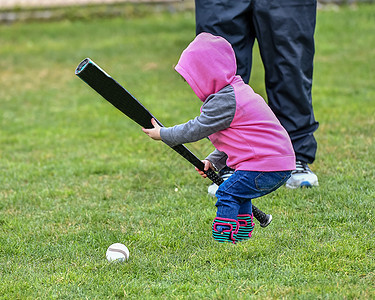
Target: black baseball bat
x=119 y=97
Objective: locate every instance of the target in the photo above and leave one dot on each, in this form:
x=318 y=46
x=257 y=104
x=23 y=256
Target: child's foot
x=301 y=177
x=225 y=230
x=246 y=227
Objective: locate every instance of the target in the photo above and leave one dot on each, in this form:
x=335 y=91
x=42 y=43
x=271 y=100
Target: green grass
x=77 y=176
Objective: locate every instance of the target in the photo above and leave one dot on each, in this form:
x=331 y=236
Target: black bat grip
x=214 y=177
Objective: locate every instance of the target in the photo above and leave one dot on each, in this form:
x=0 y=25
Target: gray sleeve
x=218 y=159
x=217 y=114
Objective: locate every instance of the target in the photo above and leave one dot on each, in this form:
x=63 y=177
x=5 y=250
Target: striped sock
x=225 y=235
x=246 y=227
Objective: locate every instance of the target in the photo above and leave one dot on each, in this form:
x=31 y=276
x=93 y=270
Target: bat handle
x=263 y=218
x=214 y=177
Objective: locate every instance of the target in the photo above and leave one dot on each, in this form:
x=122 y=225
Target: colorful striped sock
x=246 y=227
x=225 y=235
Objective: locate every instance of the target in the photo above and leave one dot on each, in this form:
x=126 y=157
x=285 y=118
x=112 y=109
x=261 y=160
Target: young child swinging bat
x=246 y=134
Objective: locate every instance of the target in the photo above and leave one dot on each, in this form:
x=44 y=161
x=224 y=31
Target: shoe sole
x=303 y=184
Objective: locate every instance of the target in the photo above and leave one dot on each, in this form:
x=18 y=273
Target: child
x=245 y=132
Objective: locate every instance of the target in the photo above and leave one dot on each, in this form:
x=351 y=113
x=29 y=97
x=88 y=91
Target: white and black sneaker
x=301 y=177
x=225 y=173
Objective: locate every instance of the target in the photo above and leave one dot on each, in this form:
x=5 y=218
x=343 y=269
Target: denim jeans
x=234 y=194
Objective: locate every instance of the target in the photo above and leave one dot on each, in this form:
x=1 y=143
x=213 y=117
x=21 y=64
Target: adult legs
x=285 y=34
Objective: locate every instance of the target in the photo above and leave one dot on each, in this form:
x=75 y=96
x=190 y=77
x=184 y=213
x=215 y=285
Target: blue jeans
x=234 y=194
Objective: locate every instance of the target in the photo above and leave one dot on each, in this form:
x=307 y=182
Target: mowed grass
x=77 y=176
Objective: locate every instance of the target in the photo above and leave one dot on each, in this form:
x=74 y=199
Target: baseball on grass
x=117 y=252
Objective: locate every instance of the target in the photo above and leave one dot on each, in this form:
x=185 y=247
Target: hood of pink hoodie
x=208 y=64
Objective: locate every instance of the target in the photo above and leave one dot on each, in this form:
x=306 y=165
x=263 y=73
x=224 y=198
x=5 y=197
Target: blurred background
x=16 y=10
x=19 y=10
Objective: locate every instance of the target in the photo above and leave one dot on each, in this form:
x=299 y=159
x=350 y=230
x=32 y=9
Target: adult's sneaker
x=301 y=177
x=225 y=173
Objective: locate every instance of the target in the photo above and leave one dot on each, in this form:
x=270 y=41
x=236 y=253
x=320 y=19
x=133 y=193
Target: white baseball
x=117 y=252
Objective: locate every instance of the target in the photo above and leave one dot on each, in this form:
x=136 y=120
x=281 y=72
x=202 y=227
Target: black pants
x=284 y=30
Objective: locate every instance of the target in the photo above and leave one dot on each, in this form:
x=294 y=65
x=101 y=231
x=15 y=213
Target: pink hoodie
x=255 y=140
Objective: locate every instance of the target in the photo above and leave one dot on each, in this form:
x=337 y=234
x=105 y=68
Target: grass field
x=77 y=176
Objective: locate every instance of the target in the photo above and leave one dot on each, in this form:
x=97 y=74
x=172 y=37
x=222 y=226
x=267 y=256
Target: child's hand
x=153 y=133
x=207 y=165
